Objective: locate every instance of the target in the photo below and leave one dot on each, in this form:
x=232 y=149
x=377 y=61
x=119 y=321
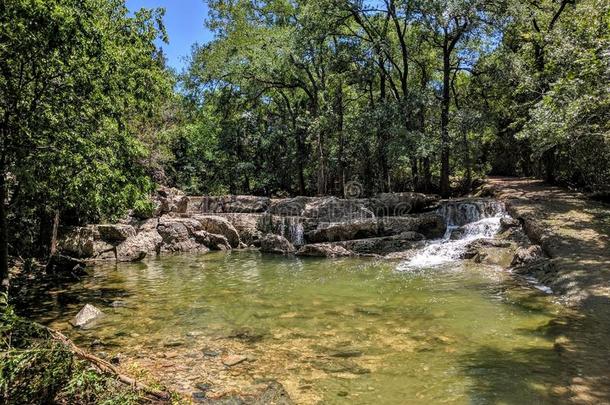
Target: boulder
x=432 y=226
x=525 y=256
x=137 y=247
x=59 y=264
x=323 y=250
x=507 y=223
x=247 y=225
x=170 y=200
x=289 y=206
x=178 y=235
x=400 y=204
x=115 y=232
x=271 y=243
x=338 y=231
x=219 y=226
x=383 y=245
x=234 y=204
x=85 y=243
x=212 y=241
x=86 y=315
x=333 y=209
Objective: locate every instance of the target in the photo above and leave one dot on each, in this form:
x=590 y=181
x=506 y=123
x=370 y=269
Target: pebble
x=233 y=360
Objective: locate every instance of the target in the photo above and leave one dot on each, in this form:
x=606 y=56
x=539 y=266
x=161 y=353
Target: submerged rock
x=86 y=315
x=233 y=360
x=276 y=244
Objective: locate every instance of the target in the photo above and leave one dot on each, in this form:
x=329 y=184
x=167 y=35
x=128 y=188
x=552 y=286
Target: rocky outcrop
x=378 y=225
x=230 y=204
x=219 y=226
x=271 y=243
x=338 y=231
x=323 y=250
x=168 y=200
x=383 y=245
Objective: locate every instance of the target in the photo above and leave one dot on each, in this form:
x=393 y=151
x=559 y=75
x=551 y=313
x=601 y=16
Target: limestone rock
x=401 y=204
x=333 y=209
x=233 y=204
x=339 y=231
x=323 y=250
x=86 y=315
x=527 y=255
x=219 y=226
x=145 y=243
x=276 y=244
x=432 y=226
x=383 y=245
x=115 y=232
x=212 y=241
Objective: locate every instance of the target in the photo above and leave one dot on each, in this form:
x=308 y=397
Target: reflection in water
x=337 y=331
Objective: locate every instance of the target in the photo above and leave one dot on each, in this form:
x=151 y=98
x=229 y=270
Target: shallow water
x=332 y=331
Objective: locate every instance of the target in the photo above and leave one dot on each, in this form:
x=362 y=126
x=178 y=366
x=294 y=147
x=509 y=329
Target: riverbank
x=573 y=232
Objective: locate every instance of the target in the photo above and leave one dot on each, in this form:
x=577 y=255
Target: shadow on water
x=575 y=368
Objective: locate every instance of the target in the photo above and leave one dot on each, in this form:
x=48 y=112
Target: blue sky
x=184 y=21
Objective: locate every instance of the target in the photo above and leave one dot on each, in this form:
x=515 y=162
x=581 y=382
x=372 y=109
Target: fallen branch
x=107 y=368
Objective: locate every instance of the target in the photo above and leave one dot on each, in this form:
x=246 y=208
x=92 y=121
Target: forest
x=443 y=155
x=325 y=97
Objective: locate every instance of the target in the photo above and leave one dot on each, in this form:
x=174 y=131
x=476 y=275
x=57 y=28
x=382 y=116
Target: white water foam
x=468 y=221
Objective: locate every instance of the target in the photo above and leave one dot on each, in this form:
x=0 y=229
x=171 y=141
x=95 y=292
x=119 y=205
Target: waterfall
x=466 y=220
x=292 y=229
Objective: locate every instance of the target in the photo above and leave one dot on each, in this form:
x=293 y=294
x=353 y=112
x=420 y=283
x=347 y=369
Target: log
x=107 y=368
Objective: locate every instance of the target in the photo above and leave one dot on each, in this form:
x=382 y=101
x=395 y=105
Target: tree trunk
x=427 y=175
x=446 y=99
x=53 y=248
x=3 y=227
x=549 y=162
x=415 y=173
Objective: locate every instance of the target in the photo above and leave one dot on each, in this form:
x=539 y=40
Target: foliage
x=35 y=369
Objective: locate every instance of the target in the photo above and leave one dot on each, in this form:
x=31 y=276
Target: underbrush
x=37 y=369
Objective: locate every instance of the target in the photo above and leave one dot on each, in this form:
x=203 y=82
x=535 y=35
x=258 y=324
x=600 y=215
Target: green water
x=332 y=331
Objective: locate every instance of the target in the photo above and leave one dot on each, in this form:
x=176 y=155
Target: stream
x=432 y=329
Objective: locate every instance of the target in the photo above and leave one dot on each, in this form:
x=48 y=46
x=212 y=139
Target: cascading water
x=467 y=220
x=292 y=229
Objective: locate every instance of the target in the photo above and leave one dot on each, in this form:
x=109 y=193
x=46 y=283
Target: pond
x=333 y=331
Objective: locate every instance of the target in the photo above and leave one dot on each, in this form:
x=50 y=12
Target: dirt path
x=575 y=233
x=572 y=230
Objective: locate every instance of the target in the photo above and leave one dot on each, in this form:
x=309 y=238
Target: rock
x=383 y=245
x=115 y=232
x=527 y=255
x=60 y=264
x=247 y=225
x=401 y=204
x=291 y=207
x=323 y=250
x=247 y=335
x=219 y=226
x=86 y=315
x=274 y=394
x=233 y=360
x=212 y=241
x=85 y=243
x=139 y=246
x=331 y=232
x=333 y=209
x=432 y=226
x=176 y=234
x=508 y=222
x=233 y=204
x=169 y=200
x=276 y=244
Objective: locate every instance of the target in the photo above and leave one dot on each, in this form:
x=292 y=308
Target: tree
x=73 y=76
